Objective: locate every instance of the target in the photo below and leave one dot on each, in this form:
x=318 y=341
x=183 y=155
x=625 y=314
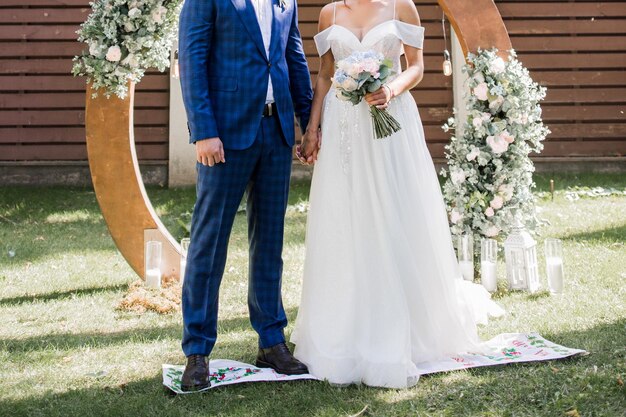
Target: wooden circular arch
x=116 y=178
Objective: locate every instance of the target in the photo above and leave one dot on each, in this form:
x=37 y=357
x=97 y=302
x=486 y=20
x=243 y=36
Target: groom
x=243 y=73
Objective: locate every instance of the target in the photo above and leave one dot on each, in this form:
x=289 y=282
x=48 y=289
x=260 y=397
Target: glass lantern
x=520 y=252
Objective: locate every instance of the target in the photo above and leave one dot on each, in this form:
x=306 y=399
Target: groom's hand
x=210 y=151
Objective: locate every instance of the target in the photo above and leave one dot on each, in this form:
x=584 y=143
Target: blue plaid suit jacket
x=224 y=70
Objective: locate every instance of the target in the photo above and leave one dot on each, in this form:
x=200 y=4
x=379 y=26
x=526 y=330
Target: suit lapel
x=248 y=17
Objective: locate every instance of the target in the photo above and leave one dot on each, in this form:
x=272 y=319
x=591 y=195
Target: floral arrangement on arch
x=489 y=176
x=126 y=37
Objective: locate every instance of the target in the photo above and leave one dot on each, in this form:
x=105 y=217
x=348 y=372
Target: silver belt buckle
x=269 y=109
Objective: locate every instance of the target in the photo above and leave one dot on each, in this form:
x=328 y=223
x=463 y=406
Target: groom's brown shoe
x=280 y=359
x=196 y=375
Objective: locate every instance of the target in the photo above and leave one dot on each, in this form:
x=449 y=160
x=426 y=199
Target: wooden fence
x=576 y=48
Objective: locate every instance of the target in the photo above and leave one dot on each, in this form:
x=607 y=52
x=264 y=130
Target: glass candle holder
x=554 y=265
x=488 y=262
x=465 y=251
x=153 y=264
x=184 y=246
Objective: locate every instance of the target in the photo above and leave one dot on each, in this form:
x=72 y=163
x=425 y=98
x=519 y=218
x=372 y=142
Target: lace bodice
x=386 y=38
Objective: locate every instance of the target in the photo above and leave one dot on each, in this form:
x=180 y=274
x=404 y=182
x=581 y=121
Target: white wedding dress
x=382 y=289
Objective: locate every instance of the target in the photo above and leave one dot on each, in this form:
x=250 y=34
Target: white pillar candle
x=153 y=278
x=467 y=270
x=554 y=269
x=488 y=275
x=183 y=266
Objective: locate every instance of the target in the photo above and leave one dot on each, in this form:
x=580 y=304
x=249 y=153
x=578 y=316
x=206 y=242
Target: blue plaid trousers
x=263 y=171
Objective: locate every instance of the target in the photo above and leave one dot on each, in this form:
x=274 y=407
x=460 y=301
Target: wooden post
x=478 y=24
x=118 y=185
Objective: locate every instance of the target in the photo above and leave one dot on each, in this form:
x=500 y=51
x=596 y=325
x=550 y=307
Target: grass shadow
x=610 y=235
x=72 y=341
x=59 y=295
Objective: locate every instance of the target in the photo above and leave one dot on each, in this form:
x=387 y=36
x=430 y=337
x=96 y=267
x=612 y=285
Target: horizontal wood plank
x=71 y=152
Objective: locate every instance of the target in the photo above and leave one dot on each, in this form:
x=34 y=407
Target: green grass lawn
x=66 y=351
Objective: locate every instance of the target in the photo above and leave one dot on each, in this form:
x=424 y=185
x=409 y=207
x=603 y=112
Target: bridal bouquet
x=362 y=73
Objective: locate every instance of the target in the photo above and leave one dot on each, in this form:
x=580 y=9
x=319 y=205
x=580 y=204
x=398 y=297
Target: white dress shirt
x=264 y=15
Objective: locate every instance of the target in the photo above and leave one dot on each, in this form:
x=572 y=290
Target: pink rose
x=497 y=144
x=455 y=216
x=489 y=212
x=480 y=91
x=114 y=53
x=507 y=137
x=497 y=202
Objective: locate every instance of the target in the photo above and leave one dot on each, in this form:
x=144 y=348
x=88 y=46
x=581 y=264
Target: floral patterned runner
x=502 y=349
x=226 y=372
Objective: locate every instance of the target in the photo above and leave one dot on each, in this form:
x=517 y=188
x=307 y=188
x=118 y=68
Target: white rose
x=114 y=53
x=489 y=212
x=349 y=84
x=473 y=154
x=496 y=103
x=94 y=49
x=455 y=216
x=497 y=202
x=492 y=231
x=479 y=77
x=480 y=91
x=458 y=176
x=134 y=12
x=506 y=190
x=497 y=66
x=129 y=26
x=131 y=61
x=477 y=122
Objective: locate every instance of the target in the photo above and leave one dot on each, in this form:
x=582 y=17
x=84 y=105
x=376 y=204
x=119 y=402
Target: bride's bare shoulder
x=407 y=12
x=326 y=17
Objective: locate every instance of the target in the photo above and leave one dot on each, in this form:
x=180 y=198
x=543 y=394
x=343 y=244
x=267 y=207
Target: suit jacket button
x=269 y=64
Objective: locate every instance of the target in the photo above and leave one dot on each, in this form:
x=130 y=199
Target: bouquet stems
x=384 y=124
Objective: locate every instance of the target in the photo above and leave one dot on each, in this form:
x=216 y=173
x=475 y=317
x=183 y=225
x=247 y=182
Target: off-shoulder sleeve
x=411 y=35
x=322 y=42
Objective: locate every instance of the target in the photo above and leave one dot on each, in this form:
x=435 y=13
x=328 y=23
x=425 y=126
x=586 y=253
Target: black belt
x=269 y=109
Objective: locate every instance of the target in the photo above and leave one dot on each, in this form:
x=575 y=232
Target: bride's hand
x=310 y=146
x=381 y=97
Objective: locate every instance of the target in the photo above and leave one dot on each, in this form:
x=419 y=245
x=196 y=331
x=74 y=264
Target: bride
x=382 y=289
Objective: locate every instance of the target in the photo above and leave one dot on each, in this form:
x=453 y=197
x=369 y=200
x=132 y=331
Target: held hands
x=210 y=151
x=310 y=146
x=381 y=97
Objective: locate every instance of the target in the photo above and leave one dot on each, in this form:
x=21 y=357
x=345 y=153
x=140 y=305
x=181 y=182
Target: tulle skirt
x=382 y=290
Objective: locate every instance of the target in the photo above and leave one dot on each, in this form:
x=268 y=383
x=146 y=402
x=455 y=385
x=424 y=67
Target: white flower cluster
x=124 y=38
x=489 y=176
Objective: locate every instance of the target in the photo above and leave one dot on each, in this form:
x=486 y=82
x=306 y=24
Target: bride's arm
x=414 y=57
x=311 y=141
